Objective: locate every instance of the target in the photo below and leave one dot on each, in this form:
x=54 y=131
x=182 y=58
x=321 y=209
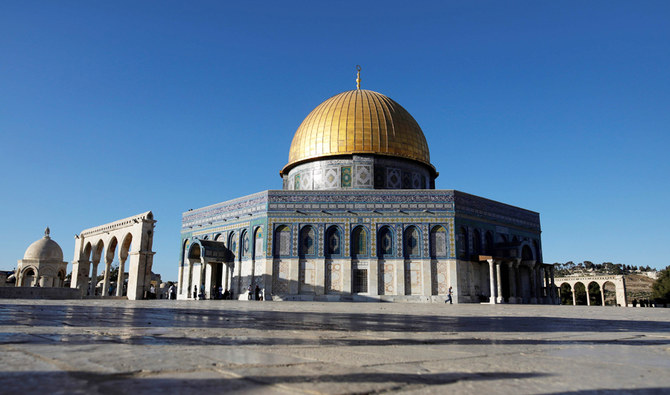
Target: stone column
x=574 y=298
x=188 y=279
x=602 y=293
x=208 y=280
x=499 y=299
x=588 y=297
x=120 y=280
x=105 y=284
x=180 y=278
x=492 y=298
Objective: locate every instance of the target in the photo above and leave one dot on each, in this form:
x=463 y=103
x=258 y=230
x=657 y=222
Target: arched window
x=307 y=241
x=359 y=242
x=246 y=247
x=385 y=242
x=463 y=247
x=438 y=241
x=282 y=241
x=411 y=242
x=232 y=245
x=258 y=243
x=333 y=241
x=526 y=253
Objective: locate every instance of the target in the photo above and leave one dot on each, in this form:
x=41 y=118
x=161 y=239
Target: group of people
x=217 y=293
x=254 y=293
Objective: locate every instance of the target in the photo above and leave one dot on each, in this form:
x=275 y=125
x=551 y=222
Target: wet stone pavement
x=165 y=347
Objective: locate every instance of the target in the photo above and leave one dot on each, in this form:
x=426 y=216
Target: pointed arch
x=111 y=249
x=333 y=241
x=126 y=246
x=97 y=252
x=87 y=251
x=412 y=242
x=307 y=243
x=232 y=245
x=359 y=242
x=245 y=244
x=282 y=241
x=385 y=242
x=258 y=243
x=438 y=241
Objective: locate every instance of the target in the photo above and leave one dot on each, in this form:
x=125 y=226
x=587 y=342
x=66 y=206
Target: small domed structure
x=42 y=264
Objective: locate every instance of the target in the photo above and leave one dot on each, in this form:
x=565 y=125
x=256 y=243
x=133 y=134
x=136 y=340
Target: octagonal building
x=359 y=219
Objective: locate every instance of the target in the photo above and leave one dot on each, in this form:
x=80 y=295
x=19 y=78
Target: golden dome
x=358 y=122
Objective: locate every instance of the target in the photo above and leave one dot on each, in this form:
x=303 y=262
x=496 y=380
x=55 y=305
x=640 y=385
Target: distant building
x=358 y=218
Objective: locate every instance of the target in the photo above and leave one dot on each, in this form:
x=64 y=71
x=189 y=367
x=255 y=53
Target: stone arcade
x=359 y=219
x=134 y=238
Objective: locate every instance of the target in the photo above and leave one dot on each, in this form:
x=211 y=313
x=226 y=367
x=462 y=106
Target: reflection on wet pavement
x=178 y=346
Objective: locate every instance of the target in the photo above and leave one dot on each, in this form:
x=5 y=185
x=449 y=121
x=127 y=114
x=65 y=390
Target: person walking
x=449 y=296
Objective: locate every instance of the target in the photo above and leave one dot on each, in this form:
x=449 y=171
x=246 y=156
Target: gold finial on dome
x=46 y=232
x=358 y=77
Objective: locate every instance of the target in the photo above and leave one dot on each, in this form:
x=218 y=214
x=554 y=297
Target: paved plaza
x=117 y=346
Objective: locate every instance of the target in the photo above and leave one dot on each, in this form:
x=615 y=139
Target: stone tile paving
x=116 y=346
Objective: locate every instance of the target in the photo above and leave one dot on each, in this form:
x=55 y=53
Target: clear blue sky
x=113 y=108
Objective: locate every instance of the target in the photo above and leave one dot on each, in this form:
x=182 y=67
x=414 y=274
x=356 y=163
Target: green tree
x=661 y=288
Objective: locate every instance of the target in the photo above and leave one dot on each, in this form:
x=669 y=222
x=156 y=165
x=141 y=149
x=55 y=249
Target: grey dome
x=44 y=249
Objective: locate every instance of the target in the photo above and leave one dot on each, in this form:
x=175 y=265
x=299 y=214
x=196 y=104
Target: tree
x=661 y=288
